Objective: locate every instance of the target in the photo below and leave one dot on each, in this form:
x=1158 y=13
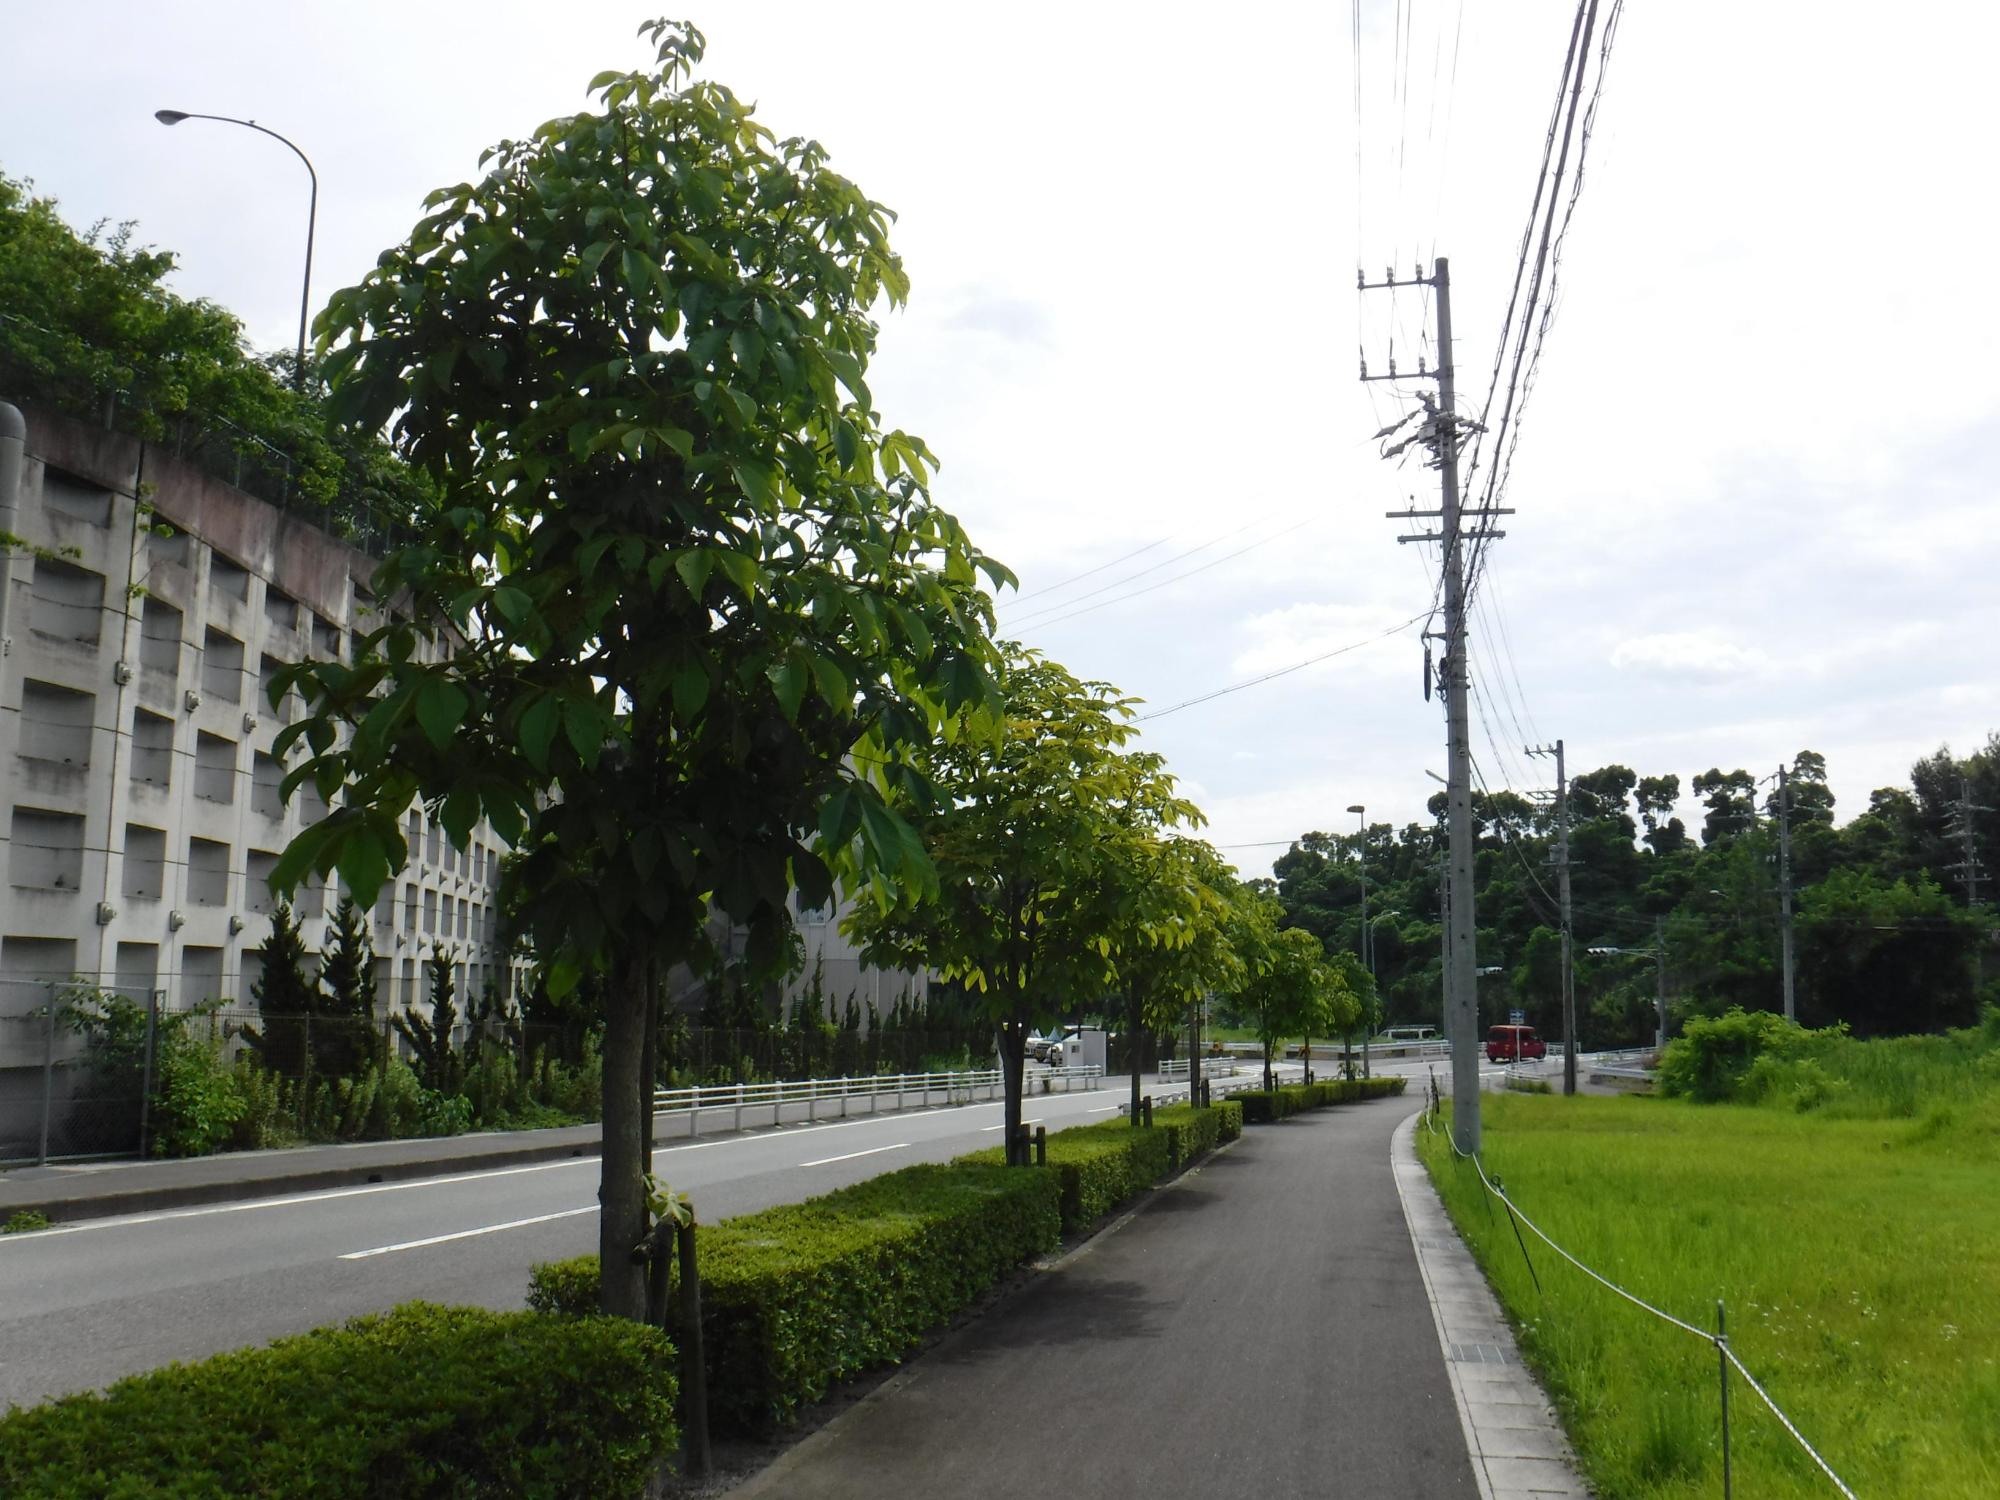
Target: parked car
x=1038 y=1047
x=1515 y=1044
x=1410 y=1034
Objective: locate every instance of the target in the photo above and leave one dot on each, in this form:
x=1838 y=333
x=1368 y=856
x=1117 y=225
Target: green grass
x=1859 y=1259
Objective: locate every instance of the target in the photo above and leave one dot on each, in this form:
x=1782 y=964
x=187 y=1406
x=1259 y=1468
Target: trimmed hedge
x=797 y=1297
x=421 y=1401
x=1099 y=1166
x=1191 y=1131
x=1263 y=1108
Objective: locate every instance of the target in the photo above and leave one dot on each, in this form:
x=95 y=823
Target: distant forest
x=1887 y=937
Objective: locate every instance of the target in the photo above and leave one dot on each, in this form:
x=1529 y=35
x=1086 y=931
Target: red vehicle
x=1515 y=1044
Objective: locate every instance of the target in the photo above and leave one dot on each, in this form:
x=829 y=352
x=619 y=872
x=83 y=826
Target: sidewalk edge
x=1517 y=1446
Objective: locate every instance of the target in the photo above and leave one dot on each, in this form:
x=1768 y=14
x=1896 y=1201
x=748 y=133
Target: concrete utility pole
x=1968 y=869
x=1568 y=920
x=1785 y=893
x=1440 y=433
x=1660 y=980
x=1360 y=810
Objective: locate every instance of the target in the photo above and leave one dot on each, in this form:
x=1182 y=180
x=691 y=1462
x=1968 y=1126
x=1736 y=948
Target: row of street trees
x=687 y=629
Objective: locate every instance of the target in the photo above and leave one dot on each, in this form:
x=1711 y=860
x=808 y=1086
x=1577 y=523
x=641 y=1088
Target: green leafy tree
x=1033 y=842
x=1290 y=993
x=686 y=609
x=1171 y=943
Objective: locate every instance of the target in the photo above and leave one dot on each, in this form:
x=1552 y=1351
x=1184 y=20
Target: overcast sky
x=1754 y=485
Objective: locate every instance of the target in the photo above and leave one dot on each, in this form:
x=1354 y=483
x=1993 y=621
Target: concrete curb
x=1518 y=1448
x=61 y=1209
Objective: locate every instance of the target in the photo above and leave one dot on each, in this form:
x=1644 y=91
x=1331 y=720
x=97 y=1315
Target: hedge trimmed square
x=1099 y=1167
x=421 y=1401
x=797 y=1297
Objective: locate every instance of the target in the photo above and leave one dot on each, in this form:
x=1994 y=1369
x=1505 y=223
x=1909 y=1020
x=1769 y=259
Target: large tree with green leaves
x=686 y=608
x=1170 y=942
x=1035 y=841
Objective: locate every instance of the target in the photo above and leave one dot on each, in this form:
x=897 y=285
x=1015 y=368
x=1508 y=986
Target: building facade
x=143 y=613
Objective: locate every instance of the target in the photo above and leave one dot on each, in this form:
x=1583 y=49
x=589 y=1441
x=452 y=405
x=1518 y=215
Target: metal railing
x=906 y=1090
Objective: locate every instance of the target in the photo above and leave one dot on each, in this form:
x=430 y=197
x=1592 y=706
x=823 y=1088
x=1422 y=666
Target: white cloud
x=1688 y=654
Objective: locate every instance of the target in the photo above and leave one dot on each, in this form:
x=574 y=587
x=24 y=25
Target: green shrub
x=1262 y=1108
x=1098 y=1167
x=1189 y=1131
x=1709 y=1059
x=1229 y=1119
x=25 y=1221
x=422 y=1401
x=1524 y=1085
x=266 y=1120
x=797 y=1297
x=196 y=1101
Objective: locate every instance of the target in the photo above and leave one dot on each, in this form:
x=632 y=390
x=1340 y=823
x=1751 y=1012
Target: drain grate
x=1481 y=1354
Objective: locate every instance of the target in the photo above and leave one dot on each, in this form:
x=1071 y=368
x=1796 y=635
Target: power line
x=1089 y=572
x=1298 y=666
x=1043 y=617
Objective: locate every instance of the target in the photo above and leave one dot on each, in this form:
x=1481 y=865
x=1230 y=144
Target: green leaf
x=584 y=723
x=788 y=683
x=538 y=729
x=694 y=567
x=440 y=709
x=690 y=692
x=748 y=347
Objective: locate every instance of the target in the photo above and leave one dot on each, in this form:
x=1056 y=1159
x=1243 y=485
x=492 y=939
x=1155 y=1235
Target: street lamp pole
x=1367 y=935
x=174 y=117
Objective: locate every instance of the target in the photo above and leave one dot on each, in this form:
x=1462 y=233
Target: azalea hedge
x=424 y=1400
x=1292 y=1099
x=800 y=1296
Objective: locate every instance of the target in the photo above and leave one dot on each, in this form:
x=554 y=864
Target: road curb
x=137 y=1200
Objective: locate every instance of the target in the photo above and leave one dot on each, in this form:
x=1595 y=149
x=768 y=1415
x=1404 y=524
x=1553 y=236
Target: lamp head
x=1357 y=808
x=170 y=116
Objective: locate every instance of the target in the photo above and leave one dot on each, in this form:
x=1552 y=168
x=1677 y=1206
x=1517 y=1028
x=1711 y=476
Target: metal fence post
x=48 y=1073
x=146 y=1072
x=1722 y=1363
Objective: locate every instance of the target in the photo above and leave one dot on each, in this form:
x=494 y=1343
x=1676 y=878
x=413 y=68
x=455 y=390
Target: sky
x=1753 y=485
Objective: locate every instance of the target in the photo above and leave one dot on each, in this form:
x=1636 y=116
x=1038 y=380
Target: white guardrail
x=907 y=1090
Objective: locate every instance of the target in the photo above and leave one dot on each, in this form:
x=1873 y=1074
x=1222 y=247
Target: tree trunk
x=1133 y=1038
x=649 y=1065
x=1013 y=1065
x=621 y=1193
x=1270 y=1079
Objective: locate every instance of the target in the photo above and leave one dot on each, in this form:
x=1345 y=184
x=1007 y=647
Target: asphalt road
x=82 y=1305
x=1261 y=1328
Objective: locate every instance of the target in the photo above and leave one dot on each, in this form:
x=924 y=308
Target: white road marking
x=1104 y=1111
x=327 y=1195
x=1003 y=1124
x=466 y=1234
x=827 y=1161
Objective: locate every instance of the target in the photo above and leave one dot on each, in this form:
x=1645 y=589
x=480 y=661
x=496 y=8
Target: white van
x=1410 y=1034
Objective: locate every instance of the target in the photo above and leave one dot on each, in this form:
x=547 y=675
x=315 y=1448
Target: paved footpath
x=1261 y=1327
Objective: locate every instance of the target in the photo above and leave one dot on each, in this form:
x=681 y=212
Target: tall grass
x=1858 y=1257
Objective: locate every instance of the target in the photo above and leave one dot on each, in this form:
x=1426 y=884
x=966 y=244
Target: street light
x=174 y=117
x=1367 y=937
x=1658 y=954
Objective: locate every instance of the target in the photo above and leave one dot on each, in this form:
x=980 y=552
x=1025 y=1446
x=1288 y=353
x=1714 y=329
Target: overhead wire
x=1044 y=617
x=1035 y=615
x=1298 y=666
x=1090 y=572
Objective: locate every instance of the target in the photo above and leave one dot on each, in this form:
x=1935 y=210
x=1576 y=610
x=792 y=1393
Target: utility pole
x=1969 y=870
x=1440 y=433
x=1660 y=980
x=1785 y=892
x=1568 y=921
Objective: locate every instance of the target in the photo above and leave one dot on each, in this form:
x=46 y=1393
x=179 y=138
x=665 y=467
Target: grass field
x=1859 y=1259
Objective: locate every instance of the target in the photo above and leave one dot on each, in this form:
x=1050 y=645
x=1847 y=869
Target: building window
x=208 y=873
x=55 y=723
x=67 y=602
x=257 y=895
x=281 y=610
x=47 y=850
x=228 y=579
x=267 y=777
x=79 y=499
x=214 y=768
x=152 y=748
x=160 y=626
x=145 y=862
x=222 y=666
